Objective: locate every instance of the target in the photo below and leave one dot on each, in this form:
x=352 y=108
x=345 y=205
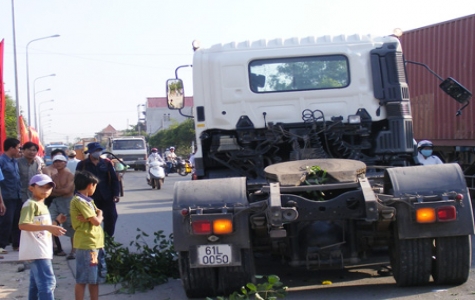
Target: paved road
x=150 y=210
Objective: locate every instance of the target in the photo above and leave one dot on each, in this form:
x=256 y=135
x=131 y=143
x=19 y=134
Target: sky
x=113 y=54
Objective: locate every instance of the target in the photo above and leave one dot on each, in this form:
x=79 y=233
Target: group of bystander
x=69 y=197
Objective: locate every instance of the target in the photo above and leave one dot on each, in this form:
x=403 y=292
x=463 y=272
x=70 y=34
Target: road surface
x=150 y=210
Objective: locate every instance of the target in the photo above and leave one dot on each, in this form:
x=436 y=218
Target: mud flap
x=403 y=182
x=217 y=195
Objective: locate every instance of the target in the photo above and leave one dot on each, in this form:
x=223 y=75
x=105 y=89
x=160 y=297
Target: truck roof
x=296 y=41
x=129 y=138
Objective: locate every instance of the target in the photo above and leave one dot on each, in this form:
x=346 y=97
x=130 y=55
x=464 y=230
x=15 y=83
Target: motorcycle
x=179 y=166
x=156 y=174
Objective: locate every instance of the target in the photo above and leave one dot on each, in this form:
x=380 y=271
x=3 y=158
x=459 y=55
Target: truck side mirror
x=175 y=94
x=455 y=90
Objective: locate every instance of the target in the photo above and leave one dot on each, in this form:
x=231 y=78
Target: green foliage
x=315 y=175
x=136 y=130
x=272 y=288
x=11 y=120
x=175 y=86
x=310 y=73
x=144 y=268
x=178 y=135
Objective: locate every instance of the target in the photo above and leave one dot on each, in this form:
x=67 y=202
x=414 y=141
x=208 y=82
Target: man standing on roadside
x=107 y=192
x=50 y=170
x=62 y=193
x=72 y=161
x=28 y=167
x=11 y=187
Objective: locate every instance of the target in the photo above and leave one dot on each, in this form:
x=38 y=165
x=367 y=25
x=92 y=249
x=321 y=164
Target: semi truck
x=305 y=152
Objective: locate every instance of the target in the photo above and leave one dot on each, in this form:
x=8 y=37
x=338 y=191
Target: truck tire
x=231 y=279
x=411 y=260
x=452 y=259
x=197 y=282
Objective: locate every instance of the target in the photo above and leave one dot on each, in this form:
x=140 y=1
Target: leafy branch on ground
x=272 y=288
x=143 y=268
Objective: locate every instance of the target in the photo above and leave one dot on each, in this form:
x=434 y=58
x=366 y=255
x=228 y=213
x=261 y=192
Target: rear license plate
x=214 y=255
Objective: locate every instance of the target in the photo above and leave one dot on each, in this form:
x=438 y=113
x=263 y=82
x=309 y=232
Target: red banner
x=24 y=136
x=3 y=132
x=36 y=139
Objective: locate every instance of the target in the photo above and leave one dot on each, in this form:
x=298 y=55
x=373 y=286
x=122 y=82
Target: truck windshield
x=299 y=73
x=128 y=144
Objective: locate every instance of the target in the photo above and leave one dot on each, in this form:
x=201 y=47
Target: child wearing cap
x=36 y=242
x=88 y=237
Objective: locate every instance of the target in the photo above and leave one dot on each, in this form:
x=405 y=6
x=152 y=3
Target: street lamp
x=28 y=74
x=34 y=96
x=16 y=72
x=39 y=115
x=43 y=125
x=34 y=103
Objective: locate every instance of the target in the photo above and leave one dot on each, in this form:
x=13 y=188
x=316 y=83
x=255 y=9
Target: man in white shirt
x=72 y=161
x=171 y=159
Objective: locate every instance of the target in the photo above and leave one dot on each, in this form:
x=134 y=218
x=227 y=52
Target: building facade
x=158 y=116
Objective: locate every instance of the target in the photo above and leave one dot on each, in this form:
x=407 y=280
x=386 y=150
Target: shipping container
x=448 y=49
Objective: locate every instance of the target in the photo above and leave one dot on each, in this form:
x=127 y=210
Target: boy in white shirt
x=35 y=240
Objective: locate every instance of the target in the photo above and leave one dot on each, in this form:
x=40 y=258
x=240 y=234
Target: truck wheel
x=452 y=259
x=411 y=260
x=231 y=279
x=197 y=282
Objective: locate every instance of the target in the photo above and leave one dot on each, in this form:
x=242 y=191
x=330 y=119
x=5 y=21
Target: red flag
x=3 y=132
x=24 y=136
x=36 y=139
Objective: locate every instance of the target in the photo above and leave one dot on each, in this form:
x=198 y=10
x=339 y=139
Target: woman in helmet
x=424 y=154
x=154 y=155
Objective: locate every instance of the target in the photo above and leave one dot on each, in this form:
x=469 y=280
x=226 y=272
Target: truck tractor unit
x=305 y=152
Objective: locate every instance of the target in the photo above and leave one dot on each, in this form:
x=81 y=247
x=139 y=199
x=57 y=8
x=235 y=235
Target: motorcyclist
x=154 y=156
x=424 y=154
x=171 y=159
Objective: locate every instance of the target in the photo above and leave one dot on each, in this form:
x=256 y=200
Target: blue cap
x=93 y=147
